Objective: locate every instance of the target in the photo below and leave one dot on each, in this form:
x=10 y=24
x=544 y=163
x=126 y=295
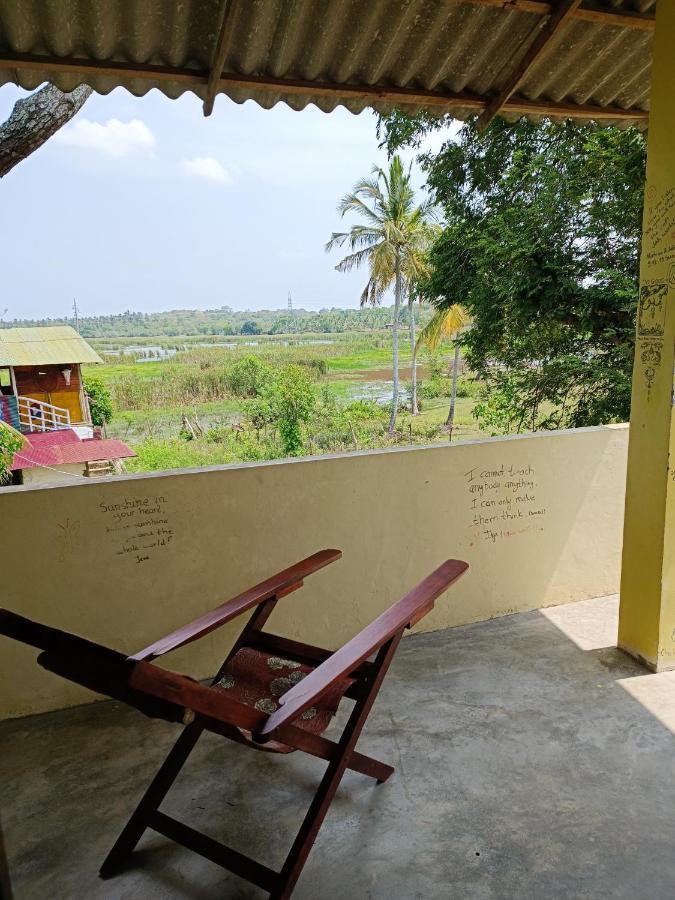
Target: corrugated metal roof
x=58 y=448
x=331 y=52
x=93 y=450
x=41 y=439
x=44 y=346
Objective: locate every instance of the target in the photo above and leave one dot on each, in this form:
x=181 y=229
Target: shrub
x=433 y=387
x=247 y=377
x=100 y=400
x=11 y=442
x=157 y=455
x=287 y=402
x=467 y=387
x=251 y=327
x=316 y=364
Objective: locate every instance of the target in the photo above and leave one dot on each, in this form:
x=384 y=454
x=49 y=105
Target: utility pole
x=290 y=304
x=76 y=315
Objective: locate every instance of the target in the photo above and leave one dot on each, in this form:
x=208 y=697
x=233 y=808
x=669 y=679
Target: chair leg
x=147 y=814
x=317 y=745
x=170 y=768
x=316 y=813
x=156 y=792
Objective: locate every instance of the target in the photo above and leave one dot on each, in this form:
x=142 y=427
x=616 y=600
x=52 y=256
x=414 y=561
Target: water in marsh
x=379 y=391
x=377 y=385
x=151 y=353
x=140 y=354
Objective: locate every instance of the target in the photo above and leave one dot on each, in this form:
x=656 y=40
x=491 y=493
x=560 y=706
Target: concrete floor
x=533 y=761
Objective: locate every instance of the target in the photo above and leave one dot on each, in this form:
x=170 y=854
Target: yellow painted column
x=647 y=614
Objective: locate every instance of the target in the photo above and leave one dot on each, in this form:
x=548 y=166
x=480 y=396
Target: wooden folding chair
x=271 y=693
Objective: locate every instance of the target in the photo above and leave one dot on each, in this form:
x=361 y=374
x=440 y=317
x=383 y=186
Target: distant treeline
x=224 y=321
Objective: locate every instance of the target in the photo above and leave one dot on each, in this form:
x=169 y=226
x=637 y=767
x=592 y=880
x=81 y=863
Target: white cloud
x=114 y=138
x=209 y=168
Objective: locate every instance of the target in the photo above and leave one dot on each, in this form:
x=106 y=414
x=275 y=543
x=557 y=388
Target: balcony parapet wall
x=124 y=560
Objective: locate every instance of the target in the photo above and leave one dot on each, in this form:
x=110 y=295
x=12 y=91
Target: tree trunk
x=413 y=399
x=394 y=344
x=34 y=120
x=453 y=392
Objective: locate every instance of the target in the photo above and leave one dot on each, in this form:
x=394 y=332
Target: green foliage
x=431 y=388
x=285 y=402
x=434 y=384
x=391 y=240
x=166 y=327
x=155 y=456
x=434 y=363
x=541 y=247
x=247 y=376
x=251 y=327
x=317 y=365
x=100 y=400
x=151 y=398
x=10 y=443
x=393 y=236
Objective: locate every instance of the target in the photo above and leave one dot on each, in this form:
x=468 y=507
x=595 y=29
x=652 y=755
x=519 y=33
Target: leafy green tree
x=11 y=441
x=391 y=241
x=541 y=246
x=286 y=402
x=100 y=401
x=251 y=327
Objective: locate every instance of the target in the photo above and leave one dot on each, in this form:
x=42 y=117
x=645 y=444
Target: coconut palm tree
x=391 y=241
x=445 y=324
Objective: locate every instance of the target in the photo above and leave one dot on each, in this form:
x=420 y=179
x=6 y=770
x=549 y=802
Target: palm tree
x=392 y=241
x=417 y=269
x=445 y=323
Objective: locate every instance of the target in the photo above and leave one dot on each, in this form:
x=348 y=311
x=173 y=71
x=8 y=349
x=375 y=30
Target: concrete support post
x=647 y=616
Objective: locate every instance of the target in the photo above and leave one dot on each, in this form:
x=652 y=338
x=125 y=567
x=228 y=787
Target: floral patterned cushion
x=258 y=679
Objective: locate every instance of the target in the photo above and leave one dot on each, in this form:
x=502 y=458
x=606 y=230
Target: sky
x=144 y=204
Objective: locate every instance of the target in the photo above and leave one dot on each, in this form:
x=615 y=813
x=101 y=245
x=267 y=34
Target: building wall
x=52 y=387
x=57 y=475
x=127 y=560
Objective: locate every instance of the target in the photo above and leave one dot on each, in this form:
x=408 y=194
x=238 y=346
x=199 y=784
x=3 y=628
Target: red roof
x=59 y=448
x=53 y=438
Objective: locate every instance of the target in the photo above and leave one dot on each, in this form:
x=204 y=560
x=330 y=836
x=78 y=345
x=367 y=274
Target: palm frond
x=444 y=324
x=354 y=203
x=353 y=260
x=393 y=229
x=337 y=239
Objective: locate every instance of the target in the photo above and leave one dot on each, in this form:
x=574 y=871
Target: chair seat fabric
x=258 y=679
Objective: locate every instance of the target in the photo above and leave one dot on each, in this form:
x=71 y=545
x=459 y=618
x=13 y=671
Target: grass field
x=151 y=396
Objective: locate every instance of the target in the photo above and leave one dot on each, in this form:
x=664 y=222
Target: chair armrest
x=403 y=614
x=277 y=586
x=193 y=697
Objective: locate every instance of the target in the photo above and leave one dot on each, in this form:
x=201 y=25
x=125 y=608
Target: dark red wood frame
x=161 y=693
x=5 y=886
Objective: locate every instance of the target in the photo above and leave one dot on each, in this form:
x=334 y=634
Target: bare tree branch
x=34 y=120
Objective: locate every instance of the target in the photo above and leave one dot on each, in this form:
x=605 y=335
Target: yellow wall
x=64 y=474
x=78 y=557
x=647 y=617
x=69 y=400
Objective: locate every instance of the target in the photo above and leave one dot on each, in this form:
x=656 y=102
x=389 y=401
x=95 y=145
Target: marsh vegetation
x=209 y=405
